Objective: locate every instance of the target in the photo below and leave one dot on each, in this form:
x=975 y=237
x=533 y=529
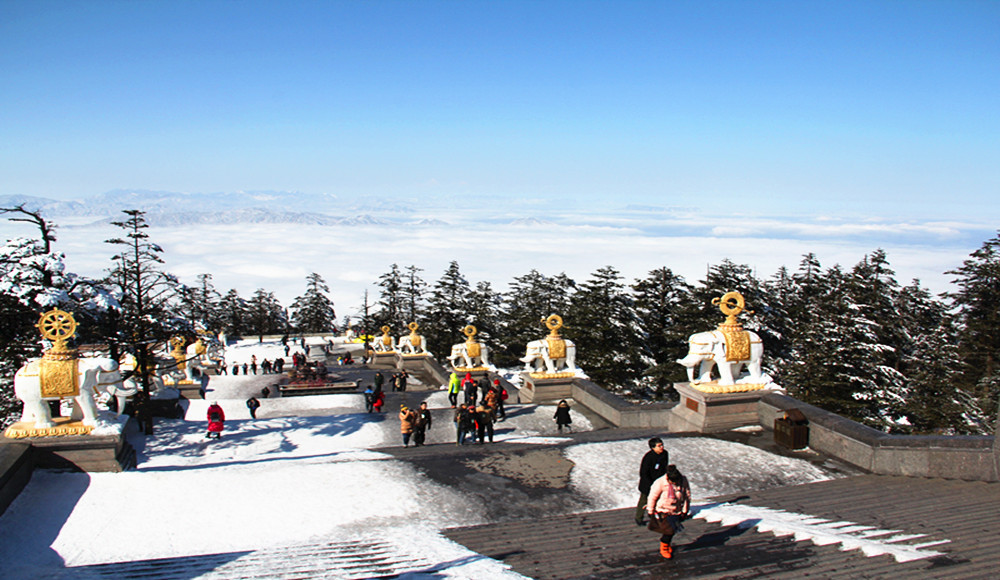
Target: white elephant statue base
x=708 y=350
x=543 y=358
x=92 y=374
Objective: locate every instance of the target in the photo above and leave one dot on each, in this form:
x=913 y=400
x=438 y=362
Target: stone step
x=351 y=559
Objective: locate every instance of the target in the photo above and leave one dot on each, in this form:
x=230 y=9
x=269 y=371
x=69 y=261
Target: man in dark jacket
x=653 y=466
x=423 y=423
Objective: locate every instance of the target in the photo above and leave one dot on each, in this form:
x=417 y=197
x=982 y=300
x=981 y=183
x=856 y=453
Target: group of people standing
x=266 y=366
x=415 y=423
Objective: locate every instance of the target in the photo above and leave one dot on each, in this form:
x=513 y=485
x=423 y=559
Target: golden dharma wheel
x=554 y=322
x=413 y=326
x=385 y=329
x=56 y=325
x=731 y=303
x=469 y=331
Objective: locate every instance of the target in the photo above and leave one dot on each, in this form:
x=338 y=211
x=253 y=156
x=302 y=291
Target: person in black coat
x=562 y=416
x=422 y=424
x=653 y=467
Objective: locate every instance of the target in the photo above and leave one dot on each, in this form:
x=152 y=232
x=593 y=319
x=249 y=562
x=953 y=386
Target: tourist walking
x=464 y=423
x=668 y=505
x=653 y=467
x=469 y=386
x=562 y=416
x=501 y=412
x=422 y=424
x=369 y=399
x=253 y=404
x=407 y=418
x=378 y=381
x=379 y=401
x=216 y=421
x=453 y=388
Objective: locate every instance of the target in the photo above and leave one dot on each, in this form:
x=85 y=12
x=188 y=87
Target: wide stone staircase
x=348 y=559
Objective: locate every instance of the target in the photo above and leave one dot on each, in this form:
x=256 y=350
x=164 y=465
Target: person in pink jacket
x=669 y=499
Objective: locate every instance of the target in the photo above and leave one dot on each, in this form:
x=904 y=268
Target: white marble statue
x=471 y=353
x=412 y=343
x=553 y=354
x=93 y=373
x=708 y=350
x=384 y=343
x=737 y=354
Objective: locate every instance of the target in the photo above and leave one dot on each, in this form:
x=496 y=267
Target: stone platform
x=90 y=453
x=541 y=388
x=703 y=412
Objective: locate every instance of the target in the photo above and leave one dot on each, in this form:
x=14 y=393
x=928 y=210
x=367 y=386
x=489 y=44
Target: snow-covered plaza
x=319 y=470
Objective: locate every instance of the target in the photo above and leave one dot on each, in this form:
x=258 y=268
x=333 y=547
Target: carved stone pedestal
x=539 y=388
x=91 y=453
x=383 y=360
x=713 y=412
x=414 y=363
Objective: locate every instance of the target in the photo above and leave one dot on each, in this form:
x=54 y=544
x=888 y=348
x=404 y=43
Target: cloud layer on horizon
x=278 y=257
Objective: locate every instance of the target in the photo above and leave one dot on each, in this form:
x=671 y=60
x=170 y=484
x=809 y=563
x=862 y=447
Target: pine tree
x=805 y=370
x=313 y=311
x=530 y=299
x=35 y=274
x=234 y=315
x=145 y=291
x=18 y=343
x=659 y=305
x=975 y=303
x=930 y=361
x=877 y=380
x=485 y=312
x=391 y=310
x=200 y=304
x=413 y=294
x=264 y=315
x=449 y=310
x=601 y=322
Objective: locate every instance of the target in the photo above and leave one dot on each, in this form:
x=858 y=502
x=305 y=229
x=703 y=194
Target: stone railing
x=616 y=410
x=956 y=457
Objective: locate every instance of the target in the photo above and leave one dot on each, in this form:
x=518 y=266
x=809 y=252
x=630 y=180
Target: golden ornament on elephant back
x=57 y=370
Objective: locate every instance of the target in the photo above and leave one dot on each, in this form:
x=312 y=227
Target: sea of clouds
x=496 y=243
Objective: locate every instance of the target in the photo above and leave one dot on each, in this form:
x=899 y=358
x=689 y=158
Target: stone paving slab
x=958 y=524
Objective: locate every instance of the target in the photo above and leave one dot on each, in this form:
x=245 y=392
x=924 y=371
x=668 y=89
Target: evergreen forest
x=852 y=340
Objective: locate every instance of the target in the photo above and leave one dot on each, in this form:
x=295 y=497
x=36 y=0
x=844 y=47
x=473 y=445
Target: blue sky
x=881 y=108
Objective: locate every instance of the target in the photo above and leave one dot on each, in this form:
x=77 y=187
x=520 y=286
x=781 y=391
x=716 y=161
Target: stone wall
x=954 y=457
x=16 y=467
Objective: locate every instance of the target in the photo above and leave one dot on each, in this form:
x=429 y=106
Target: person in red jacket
x=216 y=419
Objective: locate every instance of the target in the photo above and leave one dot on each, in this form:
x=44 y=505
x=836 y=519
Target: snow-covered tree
x=412 y=294
x=234 y=315
x=265 y=315
x=978 y=314
x=929 y=359
x=530 y=299
x=391 y=302
x=144 y=293
x=449 y=309
x=659 y=304
x=485 y=311
x=200 y=303
x=313 y=311
x=601 y=322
